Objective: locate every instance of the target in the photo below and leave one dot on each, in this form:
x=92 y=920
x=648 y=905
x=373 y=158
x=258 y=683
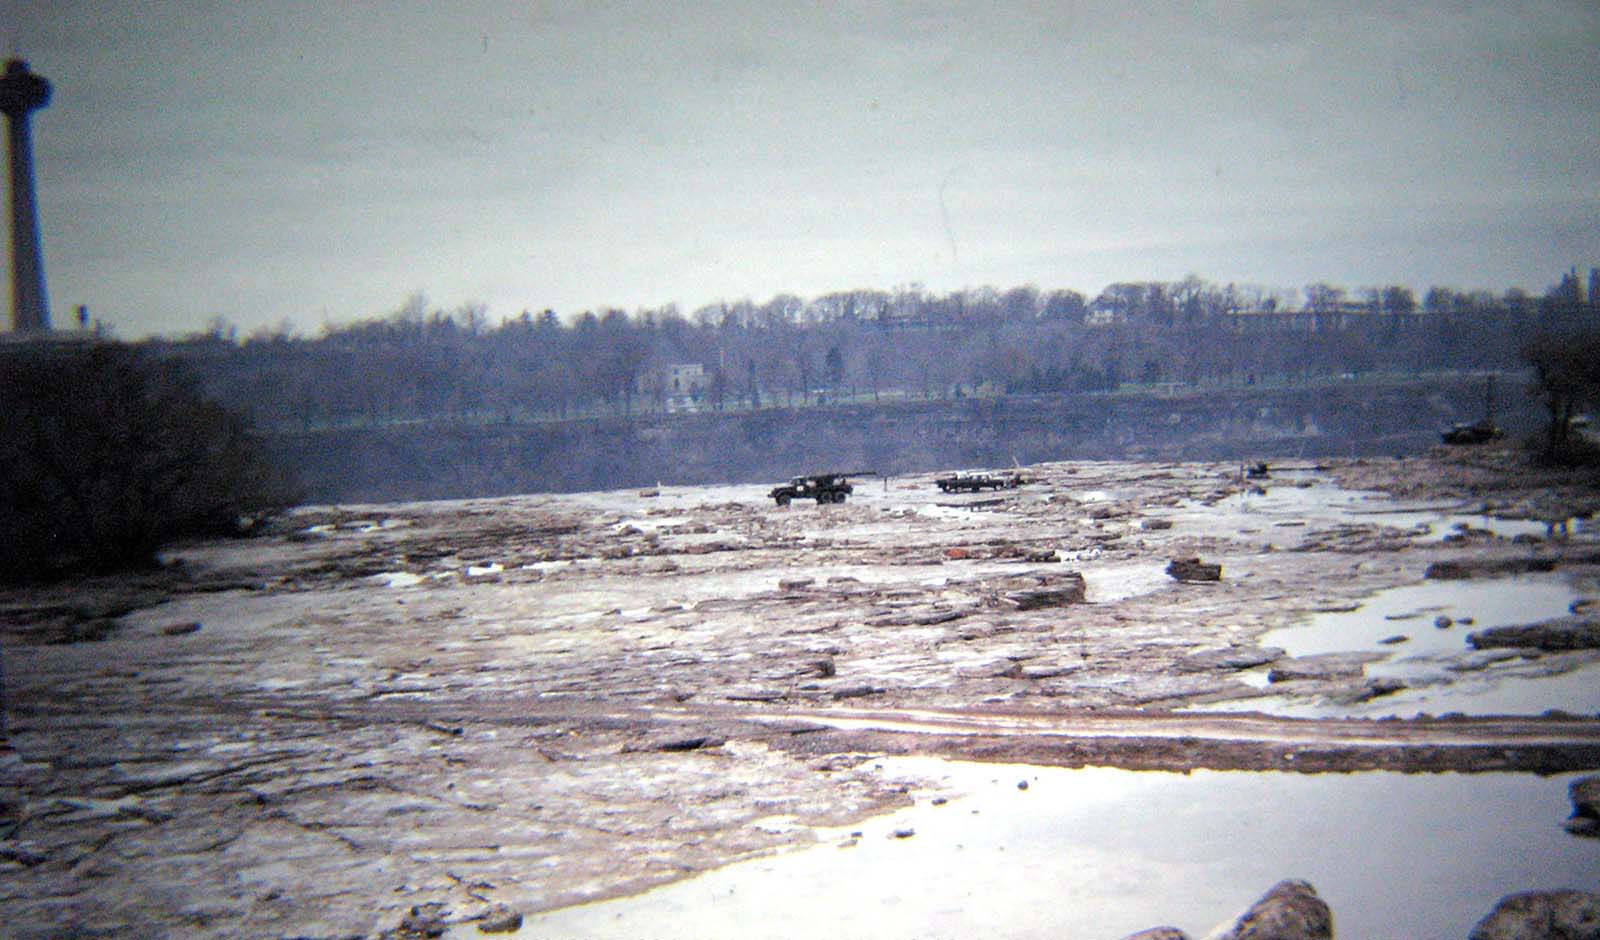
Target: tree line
x=112 y=450
x=859 y=346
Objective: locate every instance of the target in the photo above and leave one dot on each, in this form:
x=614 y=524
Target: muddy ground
x=537 y=701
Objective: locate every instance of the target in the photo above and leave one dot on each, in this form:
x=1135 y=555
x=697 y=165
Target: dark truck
x=1481 y=432
x=822 y=487
x=974 y=482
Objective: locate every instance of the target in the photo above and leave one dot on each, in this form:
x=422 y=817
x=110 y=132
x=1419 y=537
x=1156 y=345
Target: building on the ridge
x=676 y=386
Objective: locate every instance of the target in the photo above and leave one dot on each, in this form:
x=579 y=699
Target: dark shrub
x=108 y=455
x=1567 y=379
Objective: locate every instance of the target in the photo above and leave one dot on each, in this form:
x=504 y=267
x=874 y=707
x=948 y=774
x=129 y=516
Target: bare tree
x=1567 y=378
x=109 y=456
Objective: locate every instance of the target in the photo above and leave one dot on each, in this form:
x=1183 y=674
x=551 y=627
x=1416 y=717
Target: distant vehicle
x=1479 y=432
x=974 y=482
x=822 y=487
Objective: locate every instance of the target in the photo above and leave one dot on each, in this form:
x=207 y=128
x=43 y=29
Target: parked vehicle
x=1479 y=432
x=822 y=487
x=974 y=482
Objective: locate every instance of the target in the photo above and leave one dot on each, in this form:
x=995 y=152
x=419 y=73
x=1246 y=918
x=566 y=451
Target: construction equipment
x=822 y=487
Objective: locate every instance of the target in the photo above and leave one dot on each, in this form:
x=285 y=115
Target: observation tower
x=21 y=94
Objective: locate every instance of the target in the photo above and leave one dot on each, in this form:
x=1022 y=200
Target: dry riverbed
x=386 y=719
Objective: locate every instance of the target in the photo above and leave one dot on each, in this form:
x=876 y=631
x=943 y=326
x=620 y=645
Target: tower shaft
x=21 y=94
x=30 y=311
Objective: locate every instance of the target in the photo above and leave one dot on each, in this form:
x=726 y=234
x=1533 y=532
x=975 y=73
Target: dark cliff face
x=437 y=461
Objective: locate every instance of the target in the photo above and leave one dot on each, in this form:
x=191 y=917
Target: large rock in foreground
x=1290 y=911
x=1542 y=915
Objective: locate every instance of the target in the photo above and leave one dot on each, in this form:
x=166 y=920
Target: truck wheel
x=823 y=498
x=783 y=499
x=839 y=496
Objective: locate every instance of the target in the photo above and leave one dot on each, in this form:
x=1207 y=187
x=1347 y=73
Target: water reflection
x=1103 y=853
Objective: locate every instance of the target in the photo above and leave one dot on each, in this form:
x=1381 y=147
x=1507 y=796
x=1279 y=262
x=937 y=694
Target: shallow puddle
x=1413 y=610
x=1423 y=629
x=1104 y=853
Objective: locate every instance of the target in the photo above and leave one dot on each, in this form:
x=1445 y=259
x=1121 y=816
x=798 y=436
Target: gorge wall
x=437 y=460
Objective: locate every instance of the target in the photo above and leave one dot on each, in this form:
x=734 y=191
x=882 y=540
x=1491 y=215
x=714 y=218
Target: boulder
x=1585 y=795
x=1035 y=591
x=500 y=919
x=1557 y=635
x=423 y=921
x=1193 y=570
x=1290 y=911
x=1542 y=915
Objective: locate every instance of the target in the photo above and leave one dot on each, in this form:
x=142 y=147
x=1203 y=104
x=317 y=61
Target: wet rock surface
x=392 y=716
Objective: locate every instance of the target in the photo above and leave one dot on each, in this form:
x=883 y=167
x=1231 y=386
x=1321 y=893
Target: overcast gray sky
x=318 y=162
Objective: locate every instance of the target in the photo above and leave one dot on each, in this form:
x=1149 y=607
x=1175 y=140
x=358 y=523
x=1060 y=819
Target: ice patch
x=398 y=579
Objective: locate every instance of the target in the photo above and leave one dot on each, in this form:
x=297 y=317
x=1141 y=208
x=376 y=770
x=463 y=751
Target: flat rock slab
x=1558 y=635
x=1321 y=666
x=1464 y=568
